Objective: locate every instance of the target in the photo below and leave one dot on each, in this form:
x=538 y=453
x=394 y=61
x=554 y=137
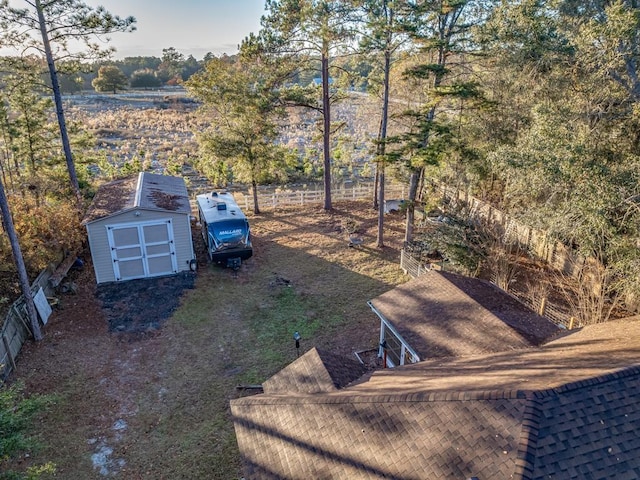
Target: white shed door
x=142 y=250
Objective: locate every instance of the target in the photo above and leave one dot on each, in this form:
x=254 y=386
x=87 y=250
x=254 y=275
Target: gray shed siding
x=99 y=241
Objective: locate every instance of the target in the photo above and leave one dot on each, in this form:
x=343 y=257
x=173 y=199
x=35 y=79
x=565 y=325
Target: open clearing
x=143 y=380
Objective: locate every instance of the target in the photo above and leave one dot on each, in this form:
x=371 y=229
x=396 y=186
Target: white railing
x=283 y=198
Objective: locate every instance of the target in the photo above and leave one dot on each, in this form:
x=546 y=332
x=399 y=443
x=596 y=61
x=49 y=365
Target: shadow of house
x=566 y=409
x=316 y=371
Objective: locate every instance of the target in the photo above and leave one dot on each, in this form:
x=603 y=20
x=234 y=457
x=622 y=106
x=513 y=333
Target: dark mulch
x=142 y=305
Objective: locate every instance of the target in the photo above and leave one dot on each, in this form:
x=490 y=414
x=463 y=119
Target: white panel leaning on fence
x=15 y=329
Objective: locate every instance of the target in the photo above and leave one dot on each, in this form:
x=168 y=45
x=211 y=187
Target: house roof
x=316 y=371
x=442 y=314
x=145 y=191
x=568 y=409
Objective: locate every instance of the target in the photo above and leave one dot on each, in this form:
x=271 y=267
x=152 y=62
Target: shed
x=140 y=227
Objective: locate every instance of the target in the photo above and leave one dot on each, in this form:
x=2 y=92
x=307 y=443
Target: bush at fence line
x=537 y=242
x=44 y=230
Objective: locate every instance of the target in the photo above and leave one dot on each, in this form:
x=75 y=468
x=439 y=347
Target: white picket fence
x=284 y=198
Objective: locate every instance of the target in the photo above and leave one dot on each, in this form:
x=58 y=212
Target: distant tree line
x=173 y=68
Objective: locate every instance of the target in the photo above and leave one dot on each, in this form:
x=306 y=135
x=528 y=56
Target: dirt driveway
x=143 y=371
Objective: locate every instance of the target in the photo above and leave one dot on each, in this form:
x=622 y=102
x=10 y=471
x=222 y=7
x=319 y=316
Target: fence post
x=543 y=306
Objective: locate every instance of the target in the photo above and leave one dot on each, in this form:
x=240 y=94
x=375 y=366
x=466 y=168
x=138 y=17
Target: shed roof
x=443 y=314
x=568 y=409
x=148 y=191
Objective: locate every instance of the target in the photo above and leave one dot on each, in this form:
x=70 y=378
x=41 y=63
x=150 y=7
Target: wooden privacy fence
x=282 y=198
x=15 y=329
x=538 y=243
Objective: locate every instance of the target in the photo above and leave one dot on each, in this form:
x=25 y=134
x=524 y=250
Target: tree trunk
x=380 y=241
x=326 y=134
x=7 y=153
x=64 y=135
x=413 y=191
x=254 y=190
x=7 y=222
x=375 y=186
x=382 y=139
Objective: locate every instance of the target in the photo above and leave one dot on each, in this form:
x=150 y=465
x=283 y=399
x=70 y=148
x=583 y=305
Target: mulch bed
x=142 y=305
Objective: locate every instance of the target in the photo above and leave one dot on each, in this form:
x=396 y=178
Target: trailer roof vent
x=221 y=206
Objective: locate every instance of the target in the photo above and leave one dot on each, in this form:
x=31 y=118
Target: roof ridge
x=528 y=442
x=138 y=191
x=426 y=396
x=589 y=382
x=351 y=397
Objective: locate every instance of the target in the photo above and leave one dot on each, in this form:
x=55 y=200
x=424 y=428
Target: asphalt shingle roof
x=568 y=409
x=146 y=190
x=316 y=371
x=443 y=314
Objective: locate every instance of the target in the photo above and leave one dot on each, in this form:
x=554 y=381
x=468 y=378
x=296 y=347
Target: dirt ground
x=125 y=369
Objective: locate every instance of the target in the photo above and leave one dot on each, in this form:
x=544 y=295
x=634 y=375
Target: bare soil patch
x=142 y=305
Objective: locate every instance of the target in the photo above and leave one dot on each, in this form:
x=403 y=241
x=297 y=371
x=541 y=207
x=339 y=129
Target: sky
x=192 y=27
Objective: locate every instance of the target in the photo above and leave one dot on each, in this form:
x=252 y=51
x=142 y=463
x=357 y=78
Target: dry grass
x=155 y=405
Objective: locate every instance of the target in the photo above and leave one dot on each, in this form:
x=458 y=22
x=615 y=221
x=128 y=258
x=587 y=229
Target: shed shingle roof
x=569 y=408
x=146 y=191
